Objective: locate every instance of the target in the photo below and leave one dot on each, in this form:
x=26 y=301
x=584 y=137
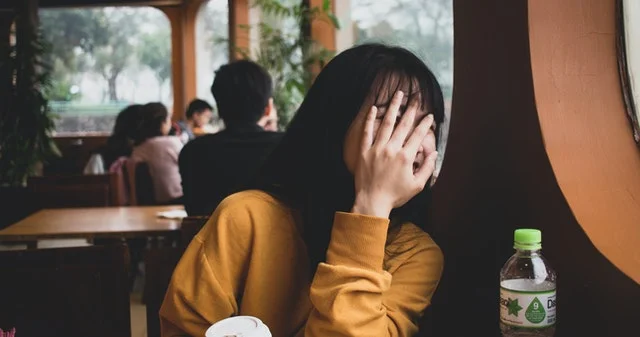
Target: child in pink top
x=160 y=151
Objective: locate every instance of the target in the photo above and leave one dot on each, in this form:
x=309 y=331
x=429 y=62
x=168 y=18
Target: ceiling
x=7 y=4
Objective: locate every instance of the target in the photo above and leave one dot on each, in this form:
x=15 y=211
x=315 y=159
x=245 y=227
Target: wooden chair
x=159 y=266
x=100 y=190
x=140 y=184
x=71 y=292
x=189 y=227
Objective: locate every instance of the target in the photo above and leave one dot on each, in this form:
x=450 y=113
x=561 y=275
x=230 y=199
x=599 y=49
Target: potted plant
x=26 y=122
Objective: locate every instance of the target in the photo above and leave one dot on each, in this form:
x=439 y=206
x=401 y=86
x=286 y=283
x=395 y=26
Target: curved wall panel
x=584 y=123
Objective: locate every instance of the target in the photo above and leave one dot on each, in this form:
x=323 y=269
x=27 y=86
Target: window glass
x=104 y=59
x=212 y=47
x=422 y=26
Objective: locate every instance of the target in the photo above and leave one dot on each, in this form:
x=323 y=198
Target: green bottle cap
x=527 y=239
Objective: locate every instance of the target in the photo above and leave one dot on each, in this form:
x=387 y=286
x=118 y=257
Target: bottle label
x=528 y=309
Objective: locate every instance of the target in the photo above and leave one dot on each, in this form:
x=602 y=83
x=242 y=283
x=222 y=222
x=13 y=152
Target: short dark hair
x=152 y=116
x=242 y=90
x=197 y=106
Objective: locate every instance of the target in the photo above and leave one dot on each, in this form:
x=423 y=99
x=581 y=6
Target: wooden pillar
x=183 y=53
x=238 y=37
x=26 y=32
x=6 y=20
x=322 y=31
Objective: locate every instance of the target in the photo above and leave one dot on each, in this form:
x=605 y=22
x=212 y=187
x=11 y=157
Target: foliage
x=426 y=29
x=111 y=59
x=289 y=54
x=155 y=52
x=105 y=41
x=26 y=122
x=71 y=35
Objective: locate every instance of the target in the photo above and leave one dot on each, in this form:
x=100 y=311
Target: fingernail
x=430 y=116
x=399 y=94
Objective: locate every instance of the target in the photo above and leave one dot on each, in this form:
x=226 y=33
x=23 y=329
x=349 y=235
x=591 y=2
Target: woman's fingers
x=389 y=121
x=401 y=132
x=418 y=134
x=367 y=128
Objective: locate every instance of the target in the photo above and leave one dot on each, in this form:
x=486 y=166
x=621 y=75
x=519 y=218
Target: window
x=422 y=26
x=104 y=59
x=212 y=47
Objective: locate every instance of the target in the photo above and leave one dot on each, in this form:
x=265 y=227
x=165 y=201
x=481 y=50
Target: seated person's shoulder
x=274 y=136
x=204 y=141
x=161 y=142
x=249 y=211
x=195 y=146
x=253 y=201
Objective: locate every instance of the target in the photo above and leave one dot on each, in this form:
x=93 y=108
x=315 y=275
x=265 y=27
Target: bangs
x=416 y=87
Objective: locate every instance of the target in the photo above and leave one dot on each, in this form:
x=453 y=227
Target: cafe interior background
x=542 y=131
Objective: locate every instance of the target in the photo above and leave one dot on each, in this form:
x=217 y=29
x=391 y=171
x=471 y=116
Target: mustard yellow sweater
x=250 y=259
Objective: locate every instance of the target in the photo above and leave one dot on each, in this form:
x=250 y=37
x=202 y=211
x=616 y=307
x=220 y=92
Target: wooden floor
x=138 y=316
x=138 y=310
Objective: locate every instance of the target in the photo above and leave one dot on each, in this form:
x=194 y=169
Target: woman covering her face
x=328 y=240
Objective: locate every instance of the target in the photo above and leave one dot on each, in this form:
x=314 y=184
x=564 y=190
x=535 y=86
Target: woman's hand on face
x=385 y=176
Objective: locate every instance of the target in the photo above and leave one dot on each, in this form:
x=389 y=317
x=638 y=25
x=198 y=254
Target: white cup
x=239 y=326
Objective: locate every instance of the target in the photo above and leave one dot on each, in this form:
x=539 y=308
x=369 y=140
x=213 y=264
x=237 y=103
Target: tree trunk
x=113 y=94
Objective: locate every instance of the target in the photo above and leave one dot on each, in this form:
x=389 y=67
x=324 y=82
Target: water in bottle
x=527 y=289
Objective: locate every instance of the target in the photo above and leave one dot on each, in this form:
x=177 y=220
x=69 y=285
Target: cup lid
x=238 y=326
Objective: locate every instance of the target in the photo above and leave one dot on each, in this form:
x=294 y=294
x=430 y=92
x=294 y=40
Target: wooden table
x=90 y=223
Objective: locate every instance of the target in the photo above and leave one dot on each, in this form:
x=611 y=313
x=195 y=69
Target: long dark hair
x=152 y=117
x=120 y=142
x=307 y=170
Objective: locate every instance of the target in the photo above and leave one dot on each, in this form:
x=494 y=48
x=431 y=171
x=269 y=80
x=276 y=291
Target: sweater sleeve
x=204 y=287
x=353 y=296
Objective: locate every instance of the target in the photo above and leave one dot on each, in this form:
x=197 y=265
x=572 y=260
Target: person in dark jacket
x=217 y=165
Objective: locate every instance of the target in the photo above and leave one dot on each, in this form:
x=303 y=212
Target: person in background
x=214 y=166
x=269 y=122
x=198 y=115
x=120 y=143
x=331 y=240
x=160 y=151
x=109 y=158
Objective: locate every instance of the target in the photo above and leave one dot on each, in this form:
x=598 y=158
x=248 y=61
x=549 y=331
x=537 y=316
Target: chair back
x=71 y=292
x=189 y=227
x=100 y=190
x=140 y=184
x=159 y=265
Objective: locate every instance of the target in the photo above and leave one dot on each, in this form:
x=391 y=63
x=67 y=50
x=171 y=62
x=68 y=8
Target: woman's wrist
x=366 y=205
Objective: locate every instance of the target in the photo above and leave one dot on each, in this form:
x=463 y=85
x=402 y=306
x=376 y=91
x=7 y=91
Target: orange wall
x=586 y=130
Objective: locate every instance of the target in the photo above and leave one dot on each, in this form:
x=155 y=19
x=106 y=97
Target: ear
x=270 y=109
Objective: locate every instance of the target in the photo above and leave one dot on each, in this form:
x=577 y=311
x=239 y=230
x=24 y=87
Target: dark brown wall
x=497 y=177
x=76 y=151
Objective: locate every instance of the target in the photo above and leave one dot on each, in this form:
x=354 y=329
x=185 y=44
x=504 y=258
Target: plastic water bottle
x=527 y=289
